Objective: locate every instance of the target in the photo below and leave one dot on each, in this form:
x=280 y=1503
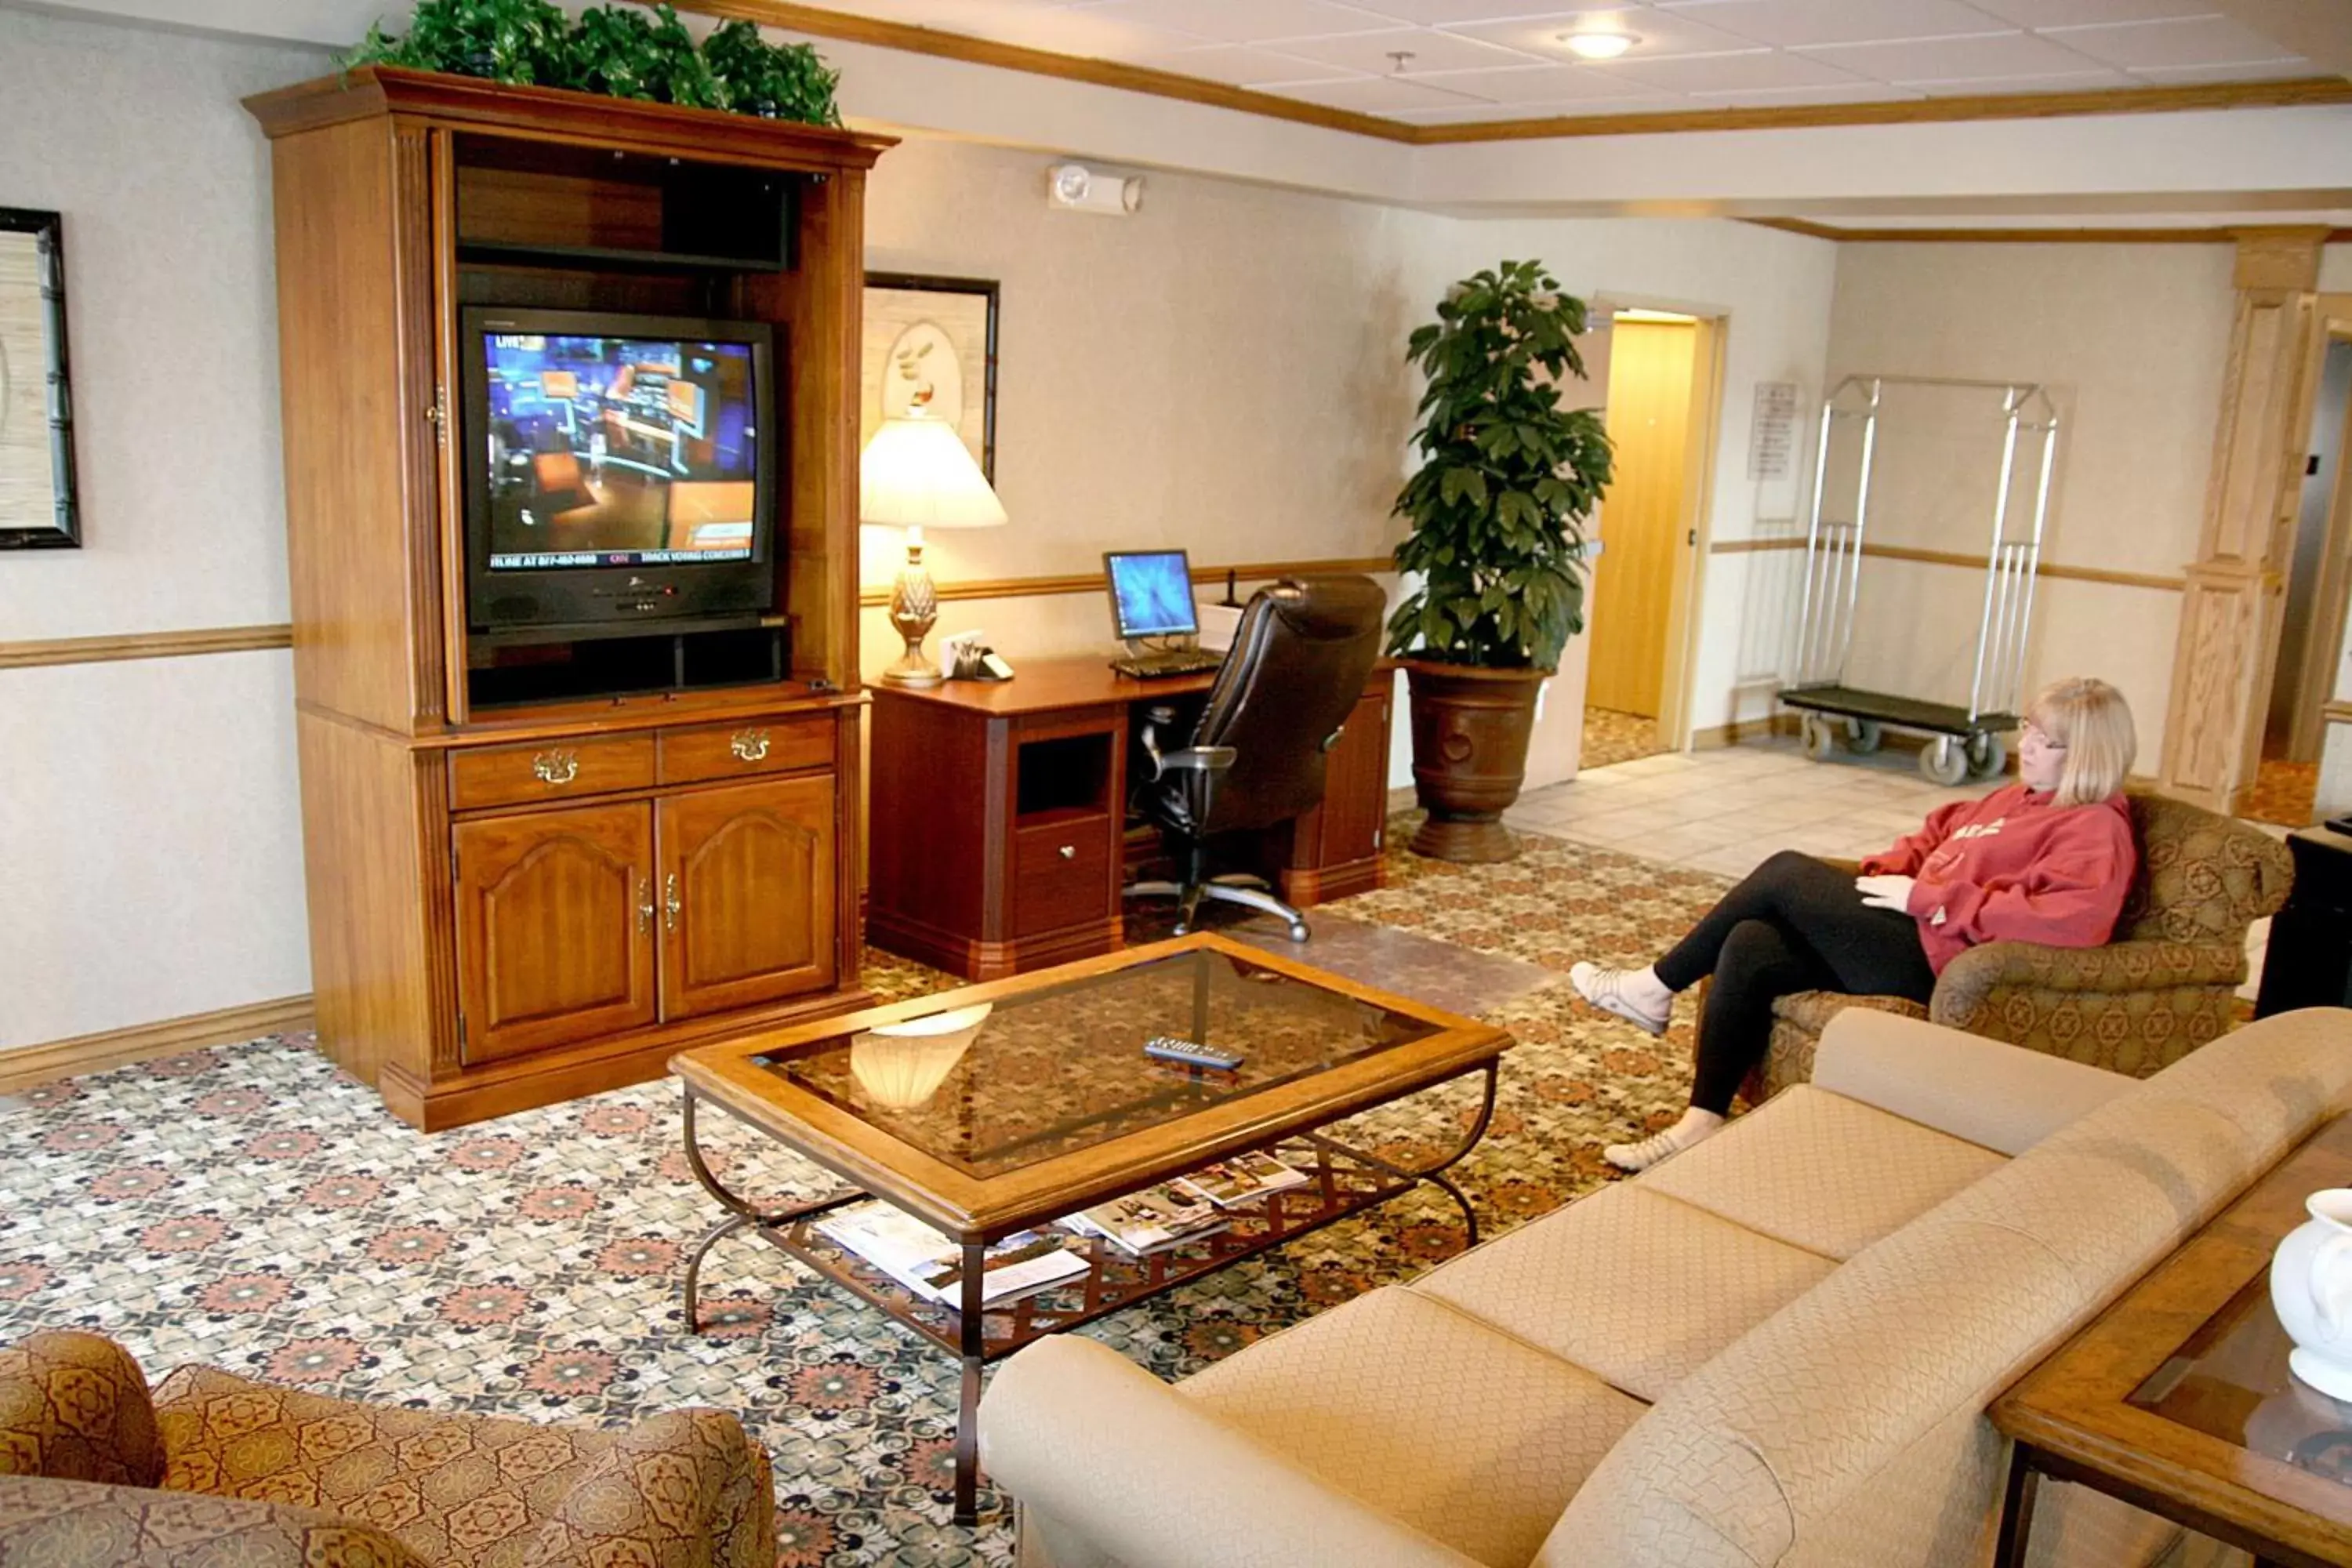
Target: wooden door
x=1642 y=517
x=554 y=927
x=747 y=895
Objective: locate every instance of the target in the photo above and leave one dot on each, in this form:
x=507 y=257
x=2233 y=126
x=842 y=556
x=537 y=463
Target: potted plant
x=1505 y=480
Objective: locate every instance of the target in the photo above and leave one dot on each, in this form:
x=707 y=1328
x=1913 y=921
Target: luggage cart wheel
x=1821 y=741
x=1987 y=755
x=1944 y=760
x=1862 y=735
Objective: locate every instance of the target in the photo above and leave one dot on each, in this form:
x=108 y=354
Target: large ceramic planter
x=1470 y=729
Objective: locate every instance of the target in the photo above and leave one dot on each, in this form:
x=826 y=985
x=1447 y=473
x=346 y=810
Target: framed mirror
x=38 y=508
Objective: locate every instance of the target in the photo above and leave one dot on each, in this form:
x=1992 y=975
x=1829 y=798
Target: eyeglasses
x=2036 y=733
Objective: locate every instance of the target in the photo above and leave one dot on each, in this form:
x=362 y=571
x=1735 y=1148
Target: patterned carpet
x=249 y=1207
x=1613 y=737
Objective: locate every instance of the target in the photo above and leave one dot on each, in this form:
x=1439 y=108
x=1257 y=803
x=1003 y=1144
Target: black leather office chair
x=1255 y=757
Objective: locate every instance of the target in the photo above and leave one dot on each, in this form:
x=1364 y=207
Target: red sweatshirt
x=2014 y=868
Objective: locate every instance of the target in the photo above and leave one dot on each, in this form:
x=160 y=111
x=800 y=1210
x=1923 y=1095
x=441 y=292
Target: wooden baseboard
x=1731 y=734
x=29 y=1065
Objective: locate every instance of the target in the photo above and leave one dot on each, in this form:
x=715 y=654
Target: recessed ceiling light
x=1599 y=46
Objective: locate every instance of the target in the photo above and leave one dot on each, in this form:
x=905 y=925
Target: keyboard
x=1168 y=662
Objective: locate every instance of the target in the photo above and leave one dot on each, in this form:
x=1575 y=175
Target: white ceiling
x=1467 y=60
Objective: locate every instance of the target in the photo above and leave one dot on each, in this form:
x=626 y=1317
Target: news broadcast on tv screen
x=611 y=451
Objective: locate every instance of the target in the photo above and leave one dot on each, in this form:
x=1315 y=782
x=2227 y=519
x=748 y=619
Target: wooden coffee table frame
x=2072 y=1417
x=975 y=1212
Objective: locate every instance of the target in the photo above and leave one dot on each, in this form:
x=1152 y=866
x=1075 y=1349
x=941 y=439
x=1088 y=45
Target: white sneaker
x=1641 y=1156
x=1607 y=990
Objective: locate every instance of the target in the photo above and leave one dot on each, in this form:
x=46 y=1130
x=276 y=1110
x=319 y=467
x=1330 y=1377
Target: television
x=620 y=470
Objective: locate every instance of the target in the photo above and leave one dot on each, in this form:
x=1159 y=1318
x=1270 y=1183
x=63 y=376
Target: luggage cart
x=1966 y=741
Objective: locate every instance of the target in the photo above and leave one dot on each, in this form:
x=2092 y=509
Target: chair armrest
x=687 y=1485
x=1970 y=983
x=1107 y=1451
x=1997 y=1096
x=93 y=1526
x=75 y=1407
x=1203 y=759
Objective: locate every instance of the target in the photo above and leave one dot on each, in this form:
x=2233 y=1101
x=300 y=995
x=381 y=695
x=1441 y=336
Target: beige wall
x=2130 y=341
x=150 y=850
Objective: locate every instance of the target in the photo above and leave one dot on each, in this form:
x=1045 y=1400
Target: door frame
x=2331 y=322
x=1703 y=435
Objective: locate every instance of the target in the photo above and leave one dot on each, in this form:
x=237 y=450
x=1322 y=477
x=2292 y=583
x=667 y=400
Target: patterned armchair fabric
x=2166 y=985
x=253 y=1473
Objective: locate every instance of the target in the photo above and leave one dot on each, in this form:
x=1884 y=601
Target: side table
x=2176 y=1399
x=2309 y=962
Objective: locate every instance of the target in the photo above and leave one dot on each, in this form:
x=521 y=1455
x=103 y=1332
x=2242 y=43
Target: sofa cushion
x=1427 y=1414
x=1637 y=1288
x=2279 y=1077
x=1821 y=1172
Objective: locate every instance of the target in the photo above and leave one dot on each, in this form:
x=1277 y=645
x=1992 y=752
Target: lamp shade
x=901 y=1065
x=917 y=473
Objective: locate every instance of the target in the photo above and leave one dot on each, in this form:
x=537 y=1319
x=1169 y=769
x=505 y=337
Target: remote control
x=1173 y=1049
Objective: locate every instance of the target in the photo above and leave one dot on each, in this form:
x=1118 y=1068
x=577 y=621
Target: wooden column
x=2229 y=612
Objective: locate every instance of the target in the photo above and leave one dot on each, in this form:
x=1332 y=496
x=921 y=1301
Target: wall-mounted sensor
x=1075 y=188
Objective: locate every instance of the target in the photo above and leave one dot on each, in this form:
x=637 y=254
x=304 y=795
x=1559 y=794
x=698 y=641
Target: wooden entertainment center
x=539 y=868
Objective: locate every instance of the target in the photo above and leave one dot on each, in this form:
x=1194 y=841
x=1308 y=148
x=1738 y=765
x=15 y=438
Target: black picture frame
x=63 y=530
x=987 y=288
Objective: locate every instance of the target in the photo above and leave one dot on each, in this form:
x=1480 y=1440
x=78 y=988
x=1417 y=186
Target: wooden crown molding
x=143 y=644
x=818 y=22
x=24 y=1067
x=1844 y=235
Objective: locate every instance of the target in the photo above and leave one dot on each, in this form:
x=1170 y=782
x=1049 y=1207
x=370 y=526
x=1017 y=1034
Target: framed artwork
x=931 y=342
x=36 y=471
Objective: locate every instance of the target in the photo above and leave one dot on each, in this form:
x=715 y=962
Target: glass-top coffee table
x=2178 y=1398
x=1030 y=1097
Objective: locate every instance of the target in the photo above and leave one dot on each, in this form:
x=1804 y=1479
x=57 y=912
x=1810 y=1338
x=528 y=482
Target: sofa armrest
x=90 y=1525
x=1107 y=1451
x=75 y=1407
x=1969 y=989
x=686 y=1486
x=2000 y=1096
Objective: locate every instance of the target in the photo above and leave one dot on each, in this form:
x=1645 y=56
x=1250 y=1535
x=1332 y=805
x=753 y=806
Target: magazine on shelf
x=1239 y=1179
x=931 y=1266
x=1152 y=1220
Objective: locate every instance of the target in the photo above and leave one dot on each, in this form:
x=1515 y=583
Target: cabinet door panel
x=553 y=944
x=1346 y=825
x=748 y=895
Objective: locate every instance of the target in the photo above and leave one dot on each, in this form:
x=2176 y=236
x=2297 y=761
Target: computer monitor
x=1151 y=592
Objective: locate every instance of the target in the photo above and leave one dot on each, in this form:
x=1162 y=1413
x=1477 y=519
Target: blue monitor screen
x=1151 y=594
x=619 y=451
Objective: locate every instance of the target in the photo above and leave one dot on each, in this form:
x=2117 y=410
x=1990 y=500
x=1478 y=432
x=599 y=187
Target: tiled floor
x=1726 y=810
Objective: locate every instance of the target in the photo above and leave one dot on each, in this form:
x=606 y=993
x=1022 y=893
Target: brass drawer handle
x=671 y=902
x=645 y=909
x=749 y=745
x=1068 y=851
x=556 y=767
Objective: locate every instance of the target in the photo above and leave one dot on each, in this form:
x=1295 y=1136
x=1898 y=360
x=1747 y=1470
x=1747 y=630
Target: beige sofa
x=1774 y=1349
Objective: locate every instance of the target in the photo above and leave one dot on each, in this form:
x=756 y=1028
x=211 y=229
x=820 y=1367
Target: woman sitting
x=2047 y=859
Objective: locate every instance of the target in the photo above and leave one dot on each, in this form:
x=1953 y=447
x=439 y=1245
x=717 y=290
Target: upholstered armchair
x=213 y=1468
x=2167 y=985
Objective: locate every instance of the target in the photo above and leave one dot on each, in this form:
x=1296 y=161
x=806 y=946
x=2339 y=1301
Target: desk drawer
x=1062 y=875
x=743 y=751
x=550 y=770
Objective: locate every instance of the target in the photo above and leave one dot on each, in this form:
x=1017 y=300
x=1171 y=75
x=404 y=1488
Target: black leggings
x=1793 y=925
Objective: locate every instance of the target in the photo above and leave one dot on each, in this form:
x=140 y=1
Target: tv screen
x=624 y=447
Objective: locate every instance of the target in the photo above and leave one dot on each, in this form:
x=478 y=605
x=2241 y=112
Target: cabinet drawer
x=1062 y=875
x=743 y=751
x=550 y=770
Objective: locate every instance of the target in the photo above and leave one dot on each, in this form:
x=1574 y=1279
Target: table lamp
x=917 y=473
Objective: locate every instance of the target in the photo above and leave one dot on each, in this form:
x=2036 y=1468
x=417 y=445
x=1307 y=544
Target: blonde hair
x=2094 y=723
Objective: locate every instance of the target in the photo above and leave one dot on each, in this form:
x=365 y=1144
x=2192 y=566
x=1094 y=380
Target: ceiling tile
x=1563 y=85
x=1236 y=66
x=2092 y=80
x=2204 y=41
x=2007 y=55
x=1430 y=52
x=1732 y=73
x=1460 y=114
x=1798 y=96
x=1242 y=21
x=1373 y=95
x=1659 y=32
x=1466 y=13
x=1800 y=22
x=2288 y=70
x=2079 y=12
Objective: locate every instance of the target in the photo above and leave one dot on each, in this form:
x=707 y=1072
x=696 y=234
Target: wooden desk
x=998 y=833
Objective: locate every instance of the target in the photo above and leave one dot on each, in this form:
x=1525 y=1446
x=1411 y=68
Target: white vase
x=2311 y=1289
